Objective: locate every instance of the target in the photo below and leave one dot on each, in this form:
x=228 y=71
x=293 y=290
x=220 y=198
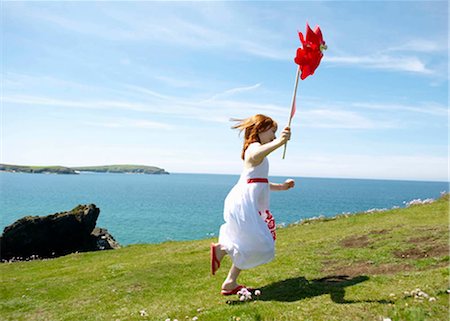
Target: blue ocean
x=156 y=208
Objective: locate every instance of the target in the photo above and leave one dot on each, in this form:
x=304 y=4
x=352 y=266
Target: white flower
x=257 y=292
x=194 y=318
x=432 y=299
x=243 y=291
x=244 y=294
x=419 y=202
x=143 y=313
x=424 y=294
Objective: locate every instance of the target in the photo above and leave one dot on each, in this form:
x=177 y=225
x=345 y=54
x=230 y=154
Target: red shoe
x=231 y=292
x=215 y=263
x=235 y=290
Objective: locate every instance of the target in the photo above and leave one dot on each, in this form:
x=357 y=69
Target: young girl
x=248 y=234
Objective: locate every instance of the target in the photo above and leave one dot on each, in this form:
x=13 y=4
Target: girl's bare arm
x=289 y=183
x=255 y=155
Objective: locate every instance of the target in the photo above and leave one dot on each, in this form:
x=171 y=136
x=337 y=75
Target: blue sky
x=155 y=83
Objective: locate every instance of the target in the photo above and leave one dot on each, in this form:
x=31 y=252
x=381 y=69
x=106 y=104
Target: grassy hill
x=132 y=169
x=137 y=169
x=361 y=267
x=37 y=169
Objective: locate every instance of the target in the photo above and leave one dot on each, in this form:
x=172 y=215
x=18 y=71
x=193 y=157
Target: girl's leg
x=219 y=253
x=230 y=282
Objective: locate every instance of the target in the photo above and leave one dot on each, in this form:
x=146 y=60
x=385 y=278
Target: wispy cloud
x=263 y=50
x=424 y=108
x=147 y=92
x=131 y=123
x=426 y=167
x=85 y=104
x=218 y=111
x=237 y=102
x=386 y=62
x=341 y=119
x=233 y=91
x=419 y=45
x=194 y=30
x=409 y=56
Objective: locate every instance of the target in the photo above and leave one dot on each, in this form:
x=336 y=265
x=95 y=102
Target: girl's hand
x=289 y=183
x=285 y=135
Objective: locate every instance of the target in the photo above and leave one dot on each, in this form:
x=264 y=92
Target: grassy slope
x=71 y=170
x=37 y=169
x=171 y=280
x=119 y=168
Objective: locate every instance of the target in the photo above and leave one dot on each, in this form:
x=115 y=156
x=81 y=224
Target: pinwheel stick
x=293 y=108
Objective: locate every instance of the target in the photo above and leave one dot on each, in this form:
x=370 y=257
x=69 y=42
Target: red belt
x=257 y=180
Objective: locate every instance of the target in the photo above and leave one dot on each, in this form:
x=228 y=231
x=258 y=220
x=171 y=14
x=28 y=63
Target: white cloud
x=147 y=91
x=430 y=108
x=419 y=167
x=386 y=62
x=262 y=50
x=409 y=56
x=314 y=114
x=237 y=90
x=131 y=123
x=87 y=104
x=341 y=119
x=196 y=30
x=419 y=45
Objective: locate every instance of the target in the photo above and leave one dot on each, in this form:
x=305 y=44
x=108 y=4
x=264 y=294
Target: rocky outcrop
x=103 y=240
x=37 y=169
x=55 y=235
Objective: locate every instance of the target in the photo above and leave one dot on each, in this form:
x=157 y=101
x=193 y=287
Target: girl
x=248 y=234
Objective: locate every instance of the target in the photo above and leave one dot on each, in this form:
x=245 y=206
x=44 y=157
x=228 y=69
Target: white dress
x=248 y=234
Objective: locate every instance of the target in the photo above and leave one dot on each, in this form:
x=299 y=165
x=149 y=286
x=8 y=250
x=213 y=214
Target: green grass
x=142 y=169
x=349 y=268
x=36 y=169
x=121 y=169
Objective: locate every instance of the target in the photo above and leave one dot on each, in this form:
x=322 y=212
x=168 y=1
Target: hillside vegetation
x=391 y=264
x=138 y=169
x=132 y=169
x=36 y=169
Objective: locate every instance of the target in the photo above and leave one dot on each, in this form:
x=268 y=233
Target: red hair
x=253 y=126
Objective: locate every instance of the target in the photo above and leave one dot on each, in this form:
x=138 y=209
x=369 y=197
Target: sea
x=139 y=208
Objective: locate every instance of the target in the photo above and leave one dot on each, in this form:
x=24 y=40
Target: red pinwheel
x=308 y=57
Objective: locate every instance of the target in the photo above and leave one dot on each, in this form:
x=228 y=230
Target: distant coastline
x=126 y=169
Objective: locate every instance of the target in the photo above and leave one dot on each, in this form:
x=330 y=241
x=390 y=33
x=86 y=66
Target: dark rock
x=102 y=240
x=55 y=235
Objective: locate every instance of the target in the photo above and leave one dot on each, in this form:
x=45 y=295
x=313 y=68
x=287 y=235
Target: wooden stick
x=292 y=106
